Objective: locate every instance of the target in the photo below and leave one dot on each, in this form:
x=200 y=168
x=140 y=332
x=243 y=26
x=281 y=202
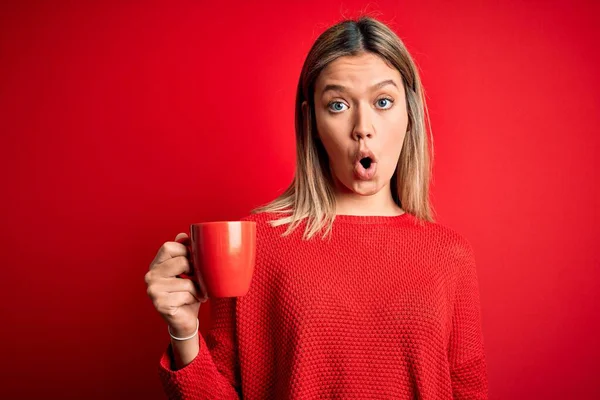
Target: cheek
x=330 y=125
x=397 y=119
x=395 y=128
x=331 y=131
x=392 y=143
x=394 y=138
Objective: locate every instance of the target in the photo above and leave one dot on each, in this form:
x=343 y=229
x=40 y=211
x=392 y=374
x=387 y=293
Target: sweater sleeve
x=466 y=353
x=214 y=373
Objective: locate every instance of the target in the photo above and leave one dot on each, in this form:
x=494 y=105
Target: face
x=360 y=111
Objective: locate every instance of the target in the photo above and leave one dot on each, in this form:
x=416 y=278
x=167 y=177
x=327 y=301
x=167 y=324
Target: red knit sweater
x=385 y=309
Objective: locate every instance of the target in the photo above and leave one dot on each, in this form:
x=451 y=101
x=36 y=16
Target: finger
x=172 y=285
x=169 y=250
x=178 y=299
x=174 y=266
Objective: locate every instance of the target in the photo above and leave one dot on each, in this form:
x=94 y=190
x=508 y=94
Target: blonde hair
x=311 y=194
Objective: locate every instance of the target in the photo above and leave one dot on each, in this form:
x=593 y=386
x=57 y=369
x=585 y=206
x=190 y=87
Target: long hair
x=311 y=194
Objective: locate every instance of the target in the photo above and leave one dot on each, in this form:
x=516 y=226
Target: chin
x=350 y=184
x=364 y=188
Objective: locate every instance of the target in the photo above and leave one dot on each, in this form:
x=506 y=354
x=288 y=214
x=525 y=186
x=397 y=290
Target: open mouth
x=366 y=162
x=365 y=169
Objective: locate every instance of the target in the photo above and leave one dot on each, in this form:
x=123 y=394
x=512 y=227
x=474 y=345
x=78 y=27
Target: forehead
x=358 y=72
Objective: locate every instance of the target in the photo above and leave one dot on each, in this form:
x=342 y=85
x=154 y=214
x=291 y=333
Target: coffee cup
x=222 y=255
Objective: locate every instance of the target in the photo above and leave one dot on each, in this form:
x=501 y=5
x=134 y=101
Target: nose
x=363 y=125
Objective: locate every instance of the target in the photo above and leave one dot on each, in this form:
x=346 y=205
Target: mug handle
x=192 y=275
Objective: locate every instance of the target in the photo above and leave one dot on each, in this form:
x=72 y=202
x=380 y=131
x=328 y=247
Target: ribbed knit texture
x=386 y=309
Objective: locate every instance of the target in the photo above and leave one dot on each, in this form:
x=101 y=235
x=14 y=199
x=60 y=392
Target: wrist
x=183 y=332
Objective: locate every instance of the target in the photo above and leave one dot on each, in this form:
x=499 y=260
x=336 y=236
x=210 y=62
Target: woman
x=388 y=305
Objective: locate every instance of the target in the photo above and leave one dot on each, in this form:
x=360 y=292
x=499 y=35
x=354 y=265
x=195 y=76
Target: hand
x=176 y=299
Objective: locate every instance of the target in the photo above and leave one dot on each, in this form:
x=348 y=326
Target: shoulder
x=269 y=240
x=452 y=242
x=259 y=218
x=455 y=251
x=262 y=221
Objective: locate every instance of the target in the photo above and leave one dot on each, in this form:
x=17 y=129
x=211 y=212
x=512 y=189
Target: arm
x=213 y=373
x=466 y=353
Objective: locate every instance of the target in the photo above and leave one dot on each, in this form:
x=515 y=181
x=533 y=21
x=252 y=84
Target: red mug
x=222 y=255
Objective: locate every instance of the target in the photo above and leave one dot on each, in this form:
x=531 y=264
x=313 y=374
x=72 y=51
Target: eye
x=336 y=106
x=385 y=103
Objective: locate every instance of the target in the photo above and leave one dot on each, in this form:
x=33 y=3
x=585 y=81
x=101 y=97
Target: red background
x=123 y=123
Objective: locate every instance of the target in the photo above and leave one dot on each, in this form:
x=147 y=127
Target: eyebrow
x=340 y=88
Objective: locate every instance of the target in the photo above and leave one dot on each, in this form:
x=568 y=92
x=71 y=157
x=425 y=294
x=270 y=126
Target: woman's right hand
x=176 y=299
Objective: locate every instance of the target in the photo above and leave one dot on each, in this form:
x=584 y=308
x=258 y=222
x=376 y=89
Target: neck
x=380 y=203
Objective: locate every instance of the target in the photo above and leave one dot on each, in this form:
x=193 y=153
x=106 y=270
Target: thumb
x=181 y=237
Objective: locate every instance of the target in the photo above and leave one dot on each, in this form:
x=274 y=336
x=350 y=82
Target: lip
x=363 y=174
x=365 y=153
x=360 y=172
